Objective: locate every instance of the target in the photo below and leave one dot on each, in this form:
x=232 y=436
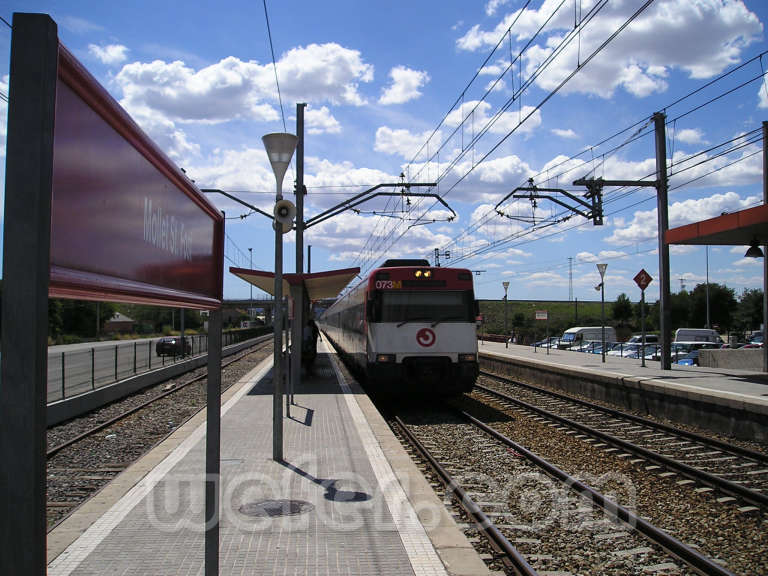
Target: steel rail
x=691 y=472
x=720 y=445
x=497 y=539
x=697 y=561
x=67 y=443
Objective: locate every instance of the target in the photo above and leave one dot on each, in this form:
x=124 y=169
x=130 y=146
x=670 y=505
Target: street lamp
x=601 y=268
x=279 y=147
x=506 y=340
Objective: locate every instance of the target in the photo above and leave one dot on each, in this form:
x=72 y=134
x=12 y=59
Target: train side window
x=373 y=307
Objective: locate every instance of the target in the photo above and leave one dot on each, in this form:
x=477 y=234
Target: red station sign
x=126 y=223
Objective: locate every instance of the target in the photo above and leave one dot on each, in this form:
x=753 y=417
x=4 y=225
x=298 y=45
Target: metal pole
x=602 y=318
x=298 y=291
x=663 y=225
x=135 y=344
x=765 y=251
x=250 y=310
x=93 y=368
x=63 y=379
x=181 y=330
x=642 y=325
x=213 y=445
x=309 y=259
x=26 y=261
x=706 y=252
x=277 y=370
x=116 y=361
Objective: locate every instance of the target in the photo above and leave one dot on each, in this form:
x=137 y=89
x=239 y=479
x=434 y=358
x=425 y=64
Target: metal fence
x=78 y=371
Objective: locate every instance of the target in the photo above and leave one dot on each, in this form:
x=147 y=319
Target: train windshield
x=426 y=306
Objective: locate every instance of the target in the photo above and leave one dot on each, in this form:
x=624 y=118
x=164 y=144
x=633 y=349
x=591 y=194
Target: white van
x=580 y=335
x=697 y=335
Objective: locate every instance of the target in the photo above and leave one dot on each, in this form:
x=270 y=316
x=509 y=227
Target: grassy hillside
x=562 y=315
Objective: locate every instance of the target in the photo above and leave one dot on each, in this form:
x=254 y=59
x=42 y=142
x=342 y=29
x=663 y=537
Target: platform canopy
x=738 y=228
x=319 y=285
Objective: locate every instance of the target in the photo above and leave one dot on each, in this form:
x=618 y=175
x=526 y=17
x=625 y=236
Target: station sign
x=126 y=223
x=541 y=315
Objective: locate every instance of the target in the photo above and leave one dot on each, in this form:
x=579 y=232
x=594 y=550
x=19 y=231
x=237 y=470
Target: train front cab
x=421 y=331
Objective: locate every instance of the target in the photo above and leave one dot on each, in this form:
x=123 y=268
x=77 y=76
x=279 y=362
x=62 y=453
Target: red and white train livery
x=409 y=324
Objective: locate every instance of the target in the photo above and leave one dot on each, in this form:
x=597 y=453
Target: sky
x=478 y=98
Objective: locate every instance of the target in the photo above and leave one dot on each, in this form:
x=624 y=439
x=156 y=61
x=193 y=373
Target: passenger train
x=408 y=326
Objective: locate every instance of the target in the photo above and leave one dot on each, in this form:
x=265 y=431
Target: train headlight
x=385 y=358
x=467 y=358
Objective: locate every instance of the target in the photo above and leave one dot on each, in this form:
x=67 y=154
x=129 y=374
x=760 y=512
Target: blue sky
x=422 y=88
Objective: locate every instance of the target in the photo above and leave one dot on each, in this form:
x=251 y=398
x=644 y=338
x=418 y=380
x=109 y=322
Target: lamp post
x=506 y=340
x=279 y=147
x=250 y=310
x=601 y=268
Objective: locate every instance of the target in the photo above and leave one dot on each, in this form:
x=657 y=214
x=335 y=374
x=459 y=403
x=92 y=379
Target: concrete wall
x=725 y=414
x=748 y=359
x=77 y=405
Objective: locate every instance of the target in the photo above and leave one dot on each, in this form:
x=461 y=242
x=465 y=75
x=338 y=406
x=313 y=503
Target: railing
x=74 y=372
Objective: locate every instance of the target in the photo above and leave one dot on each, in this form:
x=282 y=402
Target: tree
x=722 y=306
x=750 y=310
x=622 y=309
x=680 y=310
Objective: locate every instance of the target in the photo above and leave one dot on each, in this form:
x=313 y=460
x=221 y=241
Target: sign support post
x=26 y=257
x=213 y=445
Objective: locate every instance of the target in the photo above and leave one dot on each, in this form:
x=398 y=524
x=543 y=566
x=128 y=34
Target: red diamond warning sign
x=643 y=279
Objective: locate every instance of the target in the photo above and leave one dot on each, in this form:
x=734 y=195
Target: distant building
x=120 y=323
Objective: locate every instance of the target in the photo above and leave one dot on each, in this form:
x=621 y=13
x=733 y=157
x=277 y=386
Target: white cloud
x=232 y=89
x=493 y=5
x=321 y=121
x=690 y=136
x=476 y=115
x=400 y=142
x=569 y=134
x=763 y=95
x=346 y=235
x=111 y=54
x=700 y=37
x=405 y=85
x=643 y=226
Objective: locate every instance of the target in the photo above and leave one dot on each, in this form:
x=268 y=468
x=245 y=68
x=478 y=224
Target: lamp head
x=280 y=147
x=754 y=250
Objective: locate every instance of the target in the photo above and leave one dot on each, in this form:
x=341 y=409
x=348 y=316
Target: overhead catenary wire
x=388 y=240
x=274 y=65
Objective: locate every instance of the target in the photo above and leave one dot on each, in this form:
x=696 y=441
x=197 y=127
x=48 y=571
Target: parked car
x=690 y=359
x=171 y=346
x=550 y=342
x=649 y=339
x=697 y=335
x=576 y=337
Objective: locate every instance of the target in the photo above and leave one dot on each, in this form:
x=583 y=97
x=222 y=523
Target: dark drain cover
x=274 y=508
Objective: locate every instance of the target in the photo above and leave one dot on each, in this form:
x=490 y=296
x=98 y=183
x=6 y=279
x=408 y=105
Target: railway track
x=731 y=473
x=543 y=519
x=87 y=452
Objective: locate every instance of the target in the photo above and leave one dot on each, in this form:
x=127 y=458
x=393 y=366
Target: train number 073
x=388 y=284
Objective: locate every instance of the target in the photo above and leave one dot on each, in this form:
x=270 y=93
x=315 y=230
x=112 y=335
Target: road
x=83 y=367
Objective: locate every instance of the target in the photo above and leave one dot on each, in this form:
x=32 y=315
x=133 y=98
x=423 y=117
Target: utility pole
x=662 y=210
x=595 y=185
x=570 y=279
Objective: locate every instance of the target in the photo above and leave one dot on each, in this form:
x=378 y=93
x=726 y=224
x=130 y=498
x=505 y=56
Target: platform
x=347 y=499
x=728 y=401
